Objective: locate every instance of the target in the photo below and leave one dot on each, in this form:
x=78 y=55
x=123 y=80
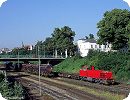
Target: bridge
x=27 y=58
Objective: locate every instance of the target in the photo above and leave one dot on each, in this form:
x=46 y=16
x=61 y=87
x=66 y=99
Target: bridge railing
x=31 y=56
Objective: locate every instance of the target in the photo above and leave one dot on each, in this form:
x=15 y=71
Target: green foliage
x=10 y=91
x=69 y=65
x=48 y=46
x=63 y=39
x=114 y=28
x=22 y=51
x=91 y=36
x=129 y=38
x=1 y=77
x=18 y=90
x=116 y=62
x=4 y=89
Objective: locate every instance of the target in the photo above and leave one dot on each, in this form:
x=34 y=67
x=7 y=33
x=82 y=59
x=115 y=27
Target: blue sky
x=29 y=21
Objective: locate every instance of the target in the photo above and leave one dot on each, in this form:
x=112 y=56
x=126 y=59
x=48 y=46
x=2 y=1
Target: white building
x=84 y=45
x=5 y=50
x=29 y=47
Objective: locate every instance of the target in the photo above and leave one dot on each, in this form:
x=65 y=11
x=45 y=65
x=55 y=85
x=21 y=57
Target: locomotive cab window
x=84 y=67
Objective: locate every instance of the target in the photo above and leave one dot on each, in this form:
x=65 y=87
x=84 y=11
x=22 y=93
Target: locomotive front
x=98 y=76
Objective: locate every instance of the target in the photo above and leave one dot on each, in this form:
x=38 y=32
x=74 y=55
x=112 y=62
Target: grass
x=104 y=94
x=71 y=65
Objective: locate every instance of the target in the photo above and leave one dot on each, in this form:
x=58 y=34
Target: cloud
x=2 y=1
x=127 y=1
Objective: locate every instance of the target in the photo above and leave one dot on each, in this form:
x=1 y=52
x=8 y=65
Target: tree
x=22 y=51
x=129 y=42
x=114 y=28
x=63 y=39
x=48 y=46
x=86 y=37
x=37 y=47
x=91 y=36
x=128 y=29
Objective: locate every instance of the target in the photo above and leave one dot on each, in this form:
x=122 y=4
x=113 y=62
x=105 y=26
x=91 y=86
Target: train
x=85 y=73
x=92 y=75
x=97 y=76
x=46 y=69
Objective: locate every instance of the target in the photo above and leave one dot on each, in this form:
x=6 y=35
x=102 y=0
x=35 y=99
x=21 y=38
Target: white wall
x=84 y=47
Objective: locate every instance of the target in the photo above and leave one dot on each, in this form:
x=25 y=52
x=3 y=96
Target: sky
x=29 y=21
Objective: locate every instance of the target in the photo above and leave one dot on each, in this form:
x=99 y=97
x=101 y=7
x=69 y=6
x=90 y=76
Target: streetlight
x=39 y=71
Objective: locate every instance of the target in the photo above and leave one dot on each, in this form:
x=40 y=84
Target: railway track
x=120 y=89
x=49 y=90
x=117 y=89
x=60 y=91
x=70 y=91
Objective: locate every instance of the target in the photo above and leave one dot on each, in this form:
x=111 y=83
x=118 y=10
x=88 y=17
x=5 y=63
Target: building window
x=91 y=46
x=95 y=46
x=99 y=46
x=105 y=46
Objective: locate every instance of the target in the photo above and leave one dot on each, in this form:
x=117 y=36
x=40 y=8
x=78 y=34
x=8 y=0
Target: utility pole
x=44 y=51
x=66 y=55
x=55 y=53
x=18 y=58
x=36 y=52
x=5 y=72
x=39 y=71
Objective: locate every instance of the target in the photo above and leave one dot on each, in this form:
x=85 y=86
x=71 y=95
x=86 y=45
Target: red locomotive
x=98 y=76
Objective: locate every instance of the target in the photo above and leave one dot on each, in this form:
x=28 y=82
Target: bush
x=9 y=90
x=1 y=77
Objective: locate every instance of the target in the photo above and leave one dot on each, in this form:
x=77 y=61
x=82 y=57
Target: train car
x=98 y=76
x=9 y=66
x=46 y=69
